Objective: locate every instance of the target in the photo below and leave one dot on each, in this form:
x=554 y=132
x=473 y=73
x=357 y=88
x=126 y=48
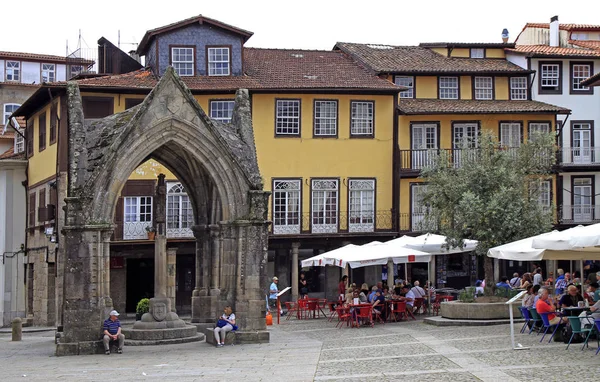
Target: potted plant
x=143 y=306
x=151 y=232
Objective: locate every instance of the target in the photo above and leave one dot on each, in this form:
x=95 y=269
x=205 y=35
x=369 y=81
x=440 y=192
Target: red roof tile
x=266 y=69
x=565 y=27
x=447 y=106
x=592 y=81
x=592 y=44
x=10 y=133
x=545 y=50
x=10 y=154
x=417 y=59
x=42 y=57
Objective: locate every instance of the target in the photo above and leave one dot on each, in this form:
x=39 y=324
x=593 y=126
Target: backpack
x=566 y=335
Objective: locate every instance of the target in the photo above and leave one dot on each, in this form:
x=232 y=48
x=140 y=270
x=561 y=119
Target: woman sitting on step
x=226 y=323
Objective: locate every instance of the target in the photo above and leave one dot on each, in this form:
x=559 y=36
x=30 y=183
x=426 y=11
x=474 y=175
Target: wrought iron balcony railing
x=331 y=222
x=585 y=214
x=577 y=156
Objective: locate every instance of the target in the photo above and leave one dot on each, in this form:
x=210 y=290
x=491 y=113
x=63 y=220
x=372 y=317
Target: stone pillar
x=201 y=299
x=295 y=247
x=346 y=269
x=85 y=303
x=171 y=276
x=496 y=271
x=215 y=255
x=160 y=266
x=390 y=272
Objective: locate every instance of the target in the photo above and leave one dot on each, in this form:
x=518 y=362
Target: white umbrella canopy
x=324 y=259
x=580 y=238
x=436 y=244
x=380 y=254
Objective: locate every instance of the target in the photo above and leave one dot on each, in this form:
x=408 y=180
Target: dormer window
x=13 y=70
x=182 y=60
x=219 y=61
x=477 y=53
x=48 y=72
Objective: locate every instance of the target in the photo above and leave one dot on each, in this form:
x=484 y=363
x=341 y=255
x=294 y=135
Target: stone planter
x=478 y=311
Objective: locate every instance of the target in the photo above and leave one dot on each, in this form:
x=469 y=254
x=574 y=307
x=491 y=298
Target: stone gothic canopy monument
x=217 y=165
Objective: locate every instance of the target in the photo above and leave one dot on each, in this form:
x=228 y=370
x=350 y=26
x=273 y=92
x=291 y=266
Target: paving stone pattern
x=314 y=350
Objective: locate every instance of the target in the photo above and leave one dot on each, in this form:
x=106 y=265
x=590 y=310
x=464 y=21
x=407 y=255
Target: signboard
x=117 y=262
x=411 y=258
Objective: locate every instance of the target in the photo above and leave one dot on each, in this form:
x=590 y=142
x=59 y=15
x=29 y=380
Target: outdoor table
x=389 y=306
x=356 y=308
x=574 y=310
x=312 y=305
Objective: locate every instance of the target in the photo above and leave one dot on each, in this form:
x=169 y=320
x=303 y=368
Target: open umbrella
x=436 y=244
x=321 y=260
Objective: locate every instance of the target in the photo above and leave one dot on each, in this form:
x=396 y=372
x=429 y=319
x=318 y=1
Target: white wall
x=1 y=70
x=30 y=72
x=12 y=235
x=61 y=72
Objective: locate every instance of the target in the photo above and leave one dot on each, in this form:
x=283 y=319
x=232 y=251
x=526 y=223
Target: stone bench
x=210 y=337
x=238 y=337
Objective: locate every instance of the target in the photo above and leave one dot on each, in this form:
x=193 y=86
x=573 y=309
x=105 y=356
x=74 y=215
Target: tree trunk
x=488 y=270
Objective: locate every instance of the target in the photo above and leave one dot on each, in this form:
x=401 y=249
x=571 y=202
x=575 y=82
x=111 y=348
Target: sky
x=305 y=24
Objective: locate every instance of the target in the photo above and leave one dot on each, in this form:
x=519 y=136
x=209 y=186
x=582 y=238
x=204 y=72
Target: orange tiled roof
x=10 y=154
x=565 y=27
x=42 y=57
x=592 y=44
x=546 y=50
x=10 y=133
x=468 y=106
x=266 y=69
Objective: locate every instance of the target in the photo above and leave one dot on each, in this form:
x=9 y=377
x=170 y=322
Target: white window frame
x=325 y=118
x=287 y=117
x=418 y=210
x=518 y=88
x=48 y=72
x=179 y=212
x=217 y=57
x=13 y=70
x=578 y=74
x=534 y=127
x=484 y=88
x=6 y=113
x=19 y=142
x=449 y=87
x=510 y=134
x=222 y=110
x=287 y=208
x=361 y=202
x=424 y=140
x=362 y=114
x=324 y=205
x=466 y=143
x=545 y=194
x=75 y=70
x=137 y=215
x=477 y=53
x=406 y=81
x=183 y=60
x=550 y=76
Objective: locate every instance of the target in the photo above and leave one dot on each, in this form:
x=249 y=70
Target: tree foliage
x=489 y=193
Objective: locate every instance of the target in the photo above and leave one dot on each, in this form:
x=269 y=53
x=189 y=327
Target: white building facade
x=562 y=56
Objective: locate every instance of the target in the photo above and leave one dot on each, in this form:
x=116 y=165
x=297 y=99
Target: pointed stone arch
x=217 y=165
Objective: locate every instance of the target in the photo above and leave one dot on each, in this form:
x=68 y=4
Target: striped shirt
x=112 y=326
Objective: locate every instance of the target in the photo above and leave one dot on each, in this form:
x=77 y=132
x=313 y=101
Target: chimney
x=134 y=55
x=504 y=35
x=554 y=32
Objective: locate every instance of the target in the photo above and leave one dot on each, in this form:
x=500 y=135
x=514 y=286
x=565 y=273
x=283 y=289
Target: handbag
x=221 y=323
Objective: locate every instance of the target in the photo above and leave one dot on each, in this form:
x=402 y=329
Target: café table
x=574 y=310
x=358 y=309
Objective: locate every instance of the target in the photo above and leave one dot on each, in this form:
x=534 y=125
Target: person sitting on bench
x=112 y=332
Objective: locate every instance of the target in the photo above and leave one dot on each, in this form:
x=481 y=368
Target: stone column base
x=239 y=337
x=79 y=348
x=204 y=308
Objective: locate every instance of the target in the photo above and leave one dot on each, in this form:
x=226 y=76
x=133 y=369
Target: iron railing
x=579 y=214
x=331 y=222
x=578 y=156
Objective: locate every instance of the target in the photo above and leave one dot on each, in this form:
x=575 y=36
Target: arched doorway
x=215 y=163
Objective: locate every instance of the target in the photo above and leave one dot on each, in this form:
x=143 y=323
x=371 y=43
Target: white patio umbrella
x=321 y=260
x=580 y=238
x=381 y=254
x=436 y=244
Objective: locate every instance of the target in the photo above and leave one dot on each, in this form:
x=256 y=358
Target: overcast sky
x=41 y=27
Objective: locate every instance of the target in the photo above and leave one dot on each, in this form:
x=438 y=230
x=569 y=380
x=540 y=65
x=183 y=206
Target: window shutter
x=32 y=210
x=42 y=131
x=53 y=122
x=29 y=138
x=42 y=212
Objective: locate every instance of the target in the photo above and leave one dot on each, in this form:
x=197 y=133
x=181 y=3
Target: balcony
x=579 y=214
x=332 y=223
x=577 y=158
x=137 y=231
x=415 y=222
x=413 y=161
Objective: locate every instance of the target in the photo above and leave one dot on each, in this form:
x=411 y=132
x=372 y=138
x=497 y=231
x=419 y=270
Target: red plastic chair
x=292 y=307
x=418 y=305
x=312 y=306
x=377 y=315
x=364 y=313
x=399 y=310
x=332 y=311
x=344 y=316
x=302 y=308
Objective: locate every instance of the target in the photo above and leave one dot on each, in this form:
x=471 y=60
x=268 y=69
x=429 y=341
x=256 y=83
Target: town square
x=257 y=192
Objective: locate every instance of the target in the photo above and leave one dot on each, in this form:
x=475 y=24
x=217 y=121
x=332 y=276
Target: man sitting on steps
x=112 y=332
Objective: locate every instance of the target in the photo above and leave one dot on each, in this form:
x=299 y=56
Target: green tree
x=489 y=193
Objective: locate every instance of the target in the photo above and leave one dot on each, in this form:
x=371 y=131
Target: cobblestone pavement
x=316 y=350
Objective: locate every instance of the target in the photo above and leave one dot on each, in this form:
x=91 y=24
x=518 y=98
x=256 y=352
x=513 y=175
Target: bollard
x=17 y=329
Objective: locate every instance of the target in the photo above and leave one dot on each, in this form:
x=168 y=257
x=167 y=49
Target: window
x=221 y=110
x=579 y=36
x=583 y=198
x=53 y=122
x=424 y=140
x=581 y=142
x=418 y=207
x=324 y=209
x=75 y=70
x=545 y=194
x=579 y=72
x=510 y=136
x=484 y=88
x=361 y=217
x=448 y=87
x=518 y=88
x=9 y=108
x=180 y=217
x=182 y=60
x=41 y=204
x=13 y=70
x=29 y=138
x=286 y=206
x=31 y=212
x=465 y=142
x=137 y=216
x=19 y=142
x=325 y=118
x=218 y=61
x=361 y=118
x=537 y=128
x=48 y=73
x=406 y=81
x=287 y=117
x=42 y=131
x=550 y=78
x=477 y=53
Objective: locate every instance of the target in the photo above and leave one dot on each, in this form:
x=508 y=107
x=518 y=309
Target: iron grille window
x=361 y=217
x=325 y=202
x=286 y=206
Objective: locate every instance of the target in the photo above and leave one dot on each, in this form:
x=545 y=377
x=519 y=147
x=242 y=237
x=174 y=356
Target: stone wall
x=118 y=287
